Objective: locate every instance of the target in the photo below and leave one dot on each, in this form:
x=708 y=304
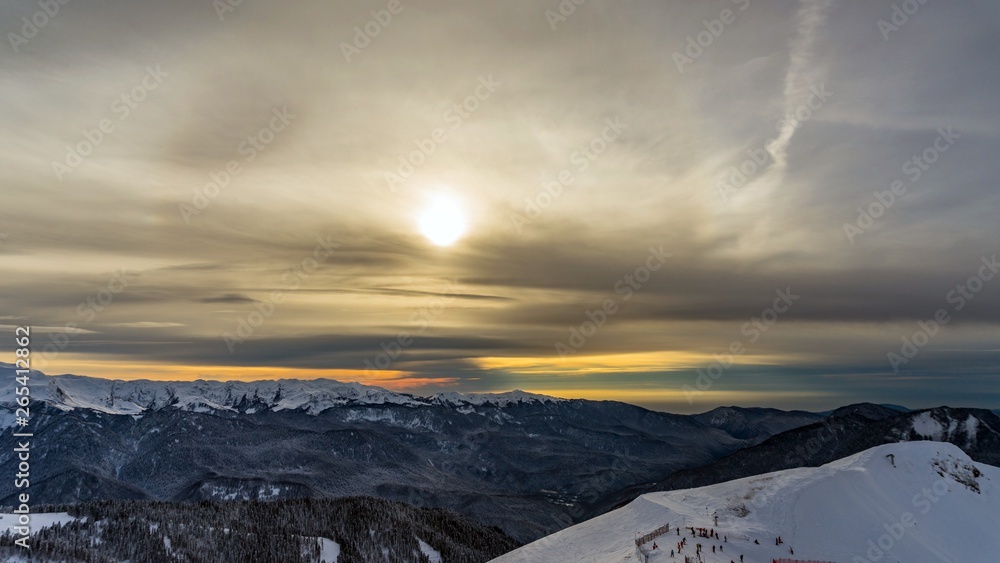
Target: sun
x=442 y=222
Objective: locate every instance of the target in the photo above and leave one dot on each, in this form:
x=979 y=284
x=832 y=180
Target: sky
x=675 y=204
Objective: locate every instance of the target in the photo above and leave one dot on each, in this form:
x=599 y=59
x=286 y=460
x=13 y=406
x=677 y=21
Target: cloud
x=517 y=292
x=148 y=324
x=802 y=73
x=52 y=329
x=228 y=298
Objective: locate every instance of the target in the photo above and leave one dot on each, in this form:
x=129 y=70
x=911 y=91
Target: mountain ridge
x=529 y=463
x=848 y=430
x=913 y=501
x=133 y=397
x=501 y=459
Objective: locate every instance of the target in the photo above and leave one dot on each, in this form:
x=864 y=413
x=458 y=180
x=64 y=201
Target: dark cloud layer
x=311 y=237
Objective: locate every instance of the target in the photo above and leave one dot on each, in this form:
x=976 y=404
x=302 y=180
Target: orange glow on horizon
x=389 y=379
x=670 y=360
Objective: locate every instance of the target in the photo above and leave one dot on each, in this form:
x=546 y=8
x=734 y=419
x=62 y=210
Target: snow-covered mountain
x=114 y=396
x=846 y=431
x=908 y=502
x=497 y=399
x=499 y=458
x=528 y=463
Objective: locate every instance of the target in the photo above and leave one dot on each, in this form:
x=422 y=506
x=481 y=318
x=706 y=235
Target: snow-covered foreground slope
x=907 y=502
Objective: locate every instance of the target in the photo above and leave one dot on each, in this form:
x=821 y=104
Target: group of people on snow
x=709 y=533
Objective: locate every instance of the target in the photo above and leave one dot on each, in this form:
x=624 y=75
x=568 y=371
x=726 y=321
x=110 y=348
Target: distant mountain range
x=846 y=431
x=527 y=463
x=112 y=396
x=754 y=425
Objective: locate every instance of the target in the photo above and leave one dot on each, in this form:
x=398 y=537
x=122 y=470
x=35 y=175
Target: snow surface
x=329 y=550
x=857 y=509
x=38 y=521
x=431 y=553
x=971 y=427
x=927 y=427
x=133 y=397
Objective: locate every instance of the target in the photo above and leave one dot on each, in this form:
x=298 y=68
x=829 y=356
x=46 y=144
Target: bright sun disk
x=442 y=222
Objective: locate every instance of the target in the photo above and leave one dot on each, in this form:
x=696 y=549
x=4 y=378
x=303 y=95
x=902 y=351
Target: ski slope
x=907 y=502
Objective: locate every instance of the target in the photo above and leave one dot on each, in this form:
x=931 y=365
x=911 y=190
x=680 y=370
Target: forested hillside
x=350 y=530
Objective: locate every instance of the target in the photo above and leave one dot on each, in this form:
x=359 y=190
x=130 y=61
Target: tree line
x=368 y=530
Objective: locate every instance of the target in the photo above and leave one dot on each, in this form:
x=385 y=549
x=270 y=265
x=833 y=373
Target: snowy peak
x=68 y=392
x=913 y=501
x=114 y=396
x=495 y=399
x=947 y=425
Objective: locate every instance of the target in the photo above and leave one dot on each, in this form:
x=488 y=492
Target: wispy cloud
x=802 y=73
x=525 y=151
x=148 y=324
